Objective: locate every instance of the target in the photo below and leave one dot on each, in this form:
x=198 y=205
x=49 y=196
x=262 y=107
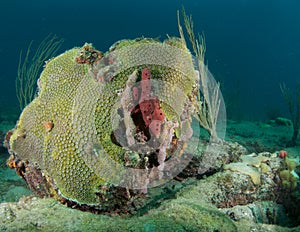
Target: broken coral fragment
x=254 y=160
x=245 y=169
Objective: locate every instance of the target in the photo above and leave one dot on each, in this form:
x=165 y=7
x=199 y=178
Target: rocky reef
x=119 y=134
x=208 y=195
x=229 y=200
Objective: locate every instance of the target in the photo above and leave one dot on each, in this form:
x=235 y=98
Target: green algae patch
x=191 y=216
x=48 y=215
x=245 y=169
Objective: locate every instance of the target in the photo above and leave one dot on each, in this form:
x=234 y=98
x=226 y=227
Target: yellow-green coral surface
x=72 y=115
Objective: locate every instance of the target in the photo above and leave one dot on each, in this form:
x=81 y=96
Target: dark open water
x=252 y=45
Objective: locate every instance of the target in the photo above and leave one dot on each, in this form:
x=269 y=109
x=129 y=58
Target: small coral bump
x=11 y=163
x=14 y=163
x=22 y=134
x=88 y=55
x=282 y=154
x=48 y=125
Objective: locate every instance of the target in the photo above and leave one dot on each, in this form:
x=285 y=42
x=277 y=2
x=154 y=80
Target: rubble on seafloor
x=217 y=194
x=238 y=190
x=221 y=196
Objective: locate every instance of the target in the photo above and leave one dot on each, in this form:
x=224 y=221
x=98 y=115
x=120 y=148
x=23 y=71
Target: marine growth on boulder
x=105 y=128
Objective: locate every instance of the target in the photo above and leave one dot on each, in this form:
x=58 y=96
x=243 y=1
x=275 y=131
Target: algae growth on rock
x=105 y=128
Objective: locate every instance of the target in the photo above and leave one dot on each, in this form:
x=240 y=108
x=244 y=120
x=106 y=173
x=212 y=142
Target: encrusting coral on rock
x=105 y=128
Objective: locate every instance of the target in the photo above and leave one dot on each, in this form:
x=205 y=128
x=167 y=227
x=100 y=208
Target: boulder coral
x=105 y=128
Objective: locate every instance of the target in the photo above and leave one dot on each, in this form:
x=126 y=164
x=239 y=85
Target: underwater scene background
x=242 y=174
x=252 y=46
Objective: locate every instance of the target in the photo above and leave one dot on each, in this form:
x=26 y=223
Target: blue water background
x=252 y=45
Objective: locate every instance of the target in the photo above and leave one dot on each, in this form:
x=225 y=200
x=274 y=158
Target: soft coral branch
x=294 y=109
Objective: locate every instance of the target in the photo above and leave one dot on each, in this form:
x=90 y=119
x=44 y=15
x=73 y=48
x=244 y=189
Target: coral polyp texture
x=105 y=128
